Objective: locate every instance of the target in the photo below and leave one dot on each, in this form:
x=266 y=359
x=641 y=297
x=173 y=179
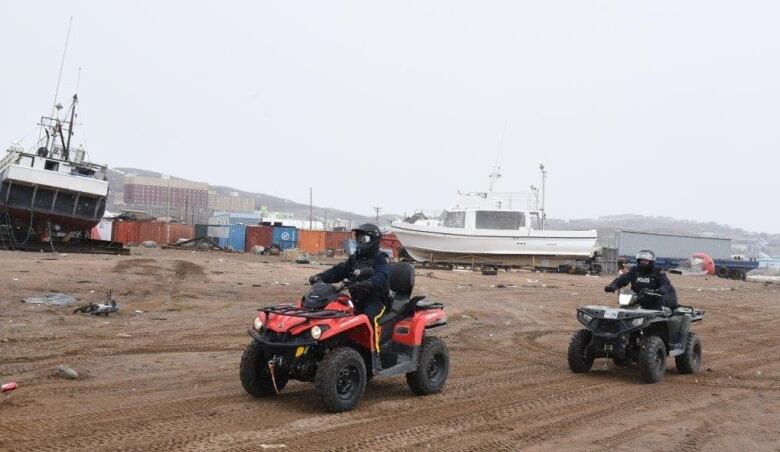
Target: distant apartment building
x=231 y=203
x=180 y=198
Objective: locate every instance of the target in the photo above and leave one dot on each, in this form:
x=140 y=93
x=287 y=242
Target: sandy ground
x=168 y=378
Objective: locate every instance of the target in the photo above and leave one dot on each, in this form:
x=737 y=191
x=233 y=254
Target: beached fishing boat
x=52 y=188
x=487 y=228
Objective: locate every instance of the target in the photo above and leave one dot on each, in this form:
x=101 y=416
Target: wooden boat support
x=76 y=246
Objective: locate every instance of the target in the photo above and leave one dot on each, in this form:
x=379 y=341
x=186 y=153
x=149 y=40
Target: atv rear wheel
x=432 y=369
x=579 y=359
x=254 y=372
x=341 y=379
x=690 y=360
x=652 y=359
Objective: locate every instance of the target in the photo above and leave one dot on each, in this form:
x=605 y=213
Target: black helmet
x=645 y=255
x=367 y=236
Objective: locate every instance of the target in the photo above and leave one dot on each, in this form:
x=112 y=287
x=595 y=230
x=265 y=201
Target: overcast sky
x=657 y=108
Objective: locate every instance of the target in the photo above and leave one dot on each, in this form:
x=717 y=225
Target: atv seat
x=401 y=284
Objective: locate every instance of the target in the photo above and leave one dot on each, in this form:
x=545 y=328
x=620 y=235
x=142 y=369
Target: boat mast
x=70 y=126
x=495 y=175
x=544 y=180
x=62 y=64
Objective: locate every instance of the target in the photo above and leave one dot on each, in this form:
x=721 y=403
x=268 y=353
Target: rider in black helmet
x=370 y=268
x=646 y=277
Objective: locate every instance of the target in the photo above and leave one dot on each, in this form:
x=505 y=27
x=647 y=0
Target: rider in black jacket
x=370 y=269
x=645 y=277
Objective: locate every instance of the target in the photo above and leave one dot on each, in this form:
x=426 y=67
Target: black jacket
x=654 y=280
x=379 y=291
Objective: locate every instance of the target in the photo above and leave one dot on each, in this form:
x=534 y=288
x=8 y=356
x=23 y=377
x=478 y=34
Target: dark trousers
x=374 y=311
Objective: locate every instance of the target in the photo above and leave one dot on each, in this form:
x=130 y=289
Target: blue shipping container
x=285 y=237
x=235 y=239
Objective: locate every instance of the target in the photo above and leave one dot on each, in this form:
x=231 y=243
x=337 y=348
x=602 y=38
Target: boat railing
x=12 y=154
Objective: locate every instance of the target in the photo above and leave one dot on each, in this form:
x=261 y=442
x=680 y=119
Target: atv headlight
x=637 y=321
x=316 y=332
x=258 y=324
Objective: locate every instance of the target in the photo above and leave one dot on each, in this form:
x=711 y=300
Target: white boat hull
x=436 y=244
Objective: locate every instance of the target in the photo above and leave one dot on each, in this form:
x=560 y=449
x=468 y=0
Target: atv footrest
x=404 y=364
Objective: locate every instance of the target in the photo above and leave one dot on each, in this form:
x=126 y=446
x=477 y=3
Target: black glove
x=610 y=289
x=314 y=279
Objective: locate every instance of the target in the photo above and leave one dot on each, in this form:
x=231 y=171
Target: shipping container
x=258 y=236
x=125 y=232
x=311 y=241
x=247 y=218
x=235 y=239
x=164 y=233
x=334 y=240
x=201 y=230
x=666 y=246
x=284 y=237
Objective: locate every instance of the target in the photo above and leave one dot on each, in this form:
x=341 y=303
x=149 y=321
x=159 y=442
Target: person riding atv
x=370 y=268
x=645 y=277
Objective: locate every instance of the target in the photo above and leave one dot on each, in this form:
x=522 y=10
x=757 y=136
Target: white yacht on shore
x=487 y=228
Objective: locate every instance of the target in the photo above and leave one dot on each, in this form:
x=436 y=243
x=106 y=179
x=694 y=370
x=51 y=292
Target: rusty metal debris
x=103 y=309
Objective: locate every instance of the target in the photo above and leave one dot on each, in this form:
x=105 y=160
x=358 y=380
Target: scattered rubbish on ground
x=8 y=387
x=149 y=244
x=99 y=308
x=281 y=283
x=138 y=311
x=532 y=281
x=202 y=243
x=67 y=372
x=125 y=335
x=257 y=285
x=303 y=259
x=258 y=250
x=51 y=299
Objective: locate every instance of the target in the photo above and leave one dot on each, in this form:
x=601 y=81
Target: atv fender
x=410 y=331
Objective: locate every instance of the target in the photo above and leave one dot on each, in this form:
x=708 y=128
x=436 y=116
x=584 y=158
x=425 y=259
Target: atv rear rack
x=305 y=313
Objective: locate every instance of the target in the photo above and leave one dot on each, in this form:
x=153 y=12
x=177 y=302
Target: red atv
x=324 y=341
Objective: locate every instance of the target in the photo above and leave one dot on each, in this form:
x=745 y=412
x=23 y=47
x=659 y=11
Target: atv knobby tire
x=432 y=368
x=690 y=360
x=652 y=359
x=341 y=379
x=254 y=372
x=579 y=359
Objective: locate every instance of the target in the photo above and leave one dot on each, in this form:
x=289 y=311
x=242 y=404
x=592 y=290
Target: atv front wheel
x=341 y=379
x=254 y=372
x=690 y=360
x=579 y=358
x=652 y=359
x=432 y=369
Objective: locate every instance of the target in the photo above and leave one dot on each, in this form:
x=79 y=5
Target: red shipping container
x=334 y=240
x=311 y=241
x=125 y=232
x=258 y=236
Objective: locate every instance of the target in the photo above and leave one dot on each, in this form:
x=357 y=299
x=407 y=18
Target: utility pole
x=377 y=209
x=544 y=180
x=311 y=210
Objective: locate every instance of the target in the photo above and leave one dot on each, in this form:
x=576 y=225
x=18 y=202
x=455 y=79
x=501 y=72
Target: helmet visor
x=645 y=255
x=361 y=237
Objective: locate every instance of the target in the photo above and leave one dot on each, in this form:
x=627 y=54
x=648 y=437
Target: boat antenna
x=62 y=64
x=544 y=181
x=496 y=174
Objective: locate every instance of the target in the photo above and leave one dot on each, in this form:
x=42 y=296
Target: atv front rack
x=305 y=313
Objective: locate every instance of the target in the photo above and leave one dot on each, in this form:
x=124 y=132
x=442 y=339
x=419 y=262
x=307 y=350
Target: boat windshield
x=500 y=219
x=453 y=219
